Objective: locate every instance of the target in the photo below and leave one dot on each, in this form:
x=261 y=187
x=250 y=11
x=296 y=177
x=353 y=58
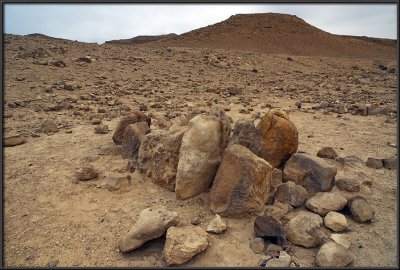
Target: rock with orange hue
x=131 y=118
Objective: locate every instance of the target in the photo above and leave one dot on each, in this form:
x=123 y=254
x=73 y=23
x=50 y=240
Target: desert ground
x=53 y=219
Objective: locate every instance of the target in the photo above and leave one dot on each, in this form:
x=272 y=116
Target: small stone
x=269 y=229
x=335 y=221
x=96 y=121
x=115 y=181
x=390 y=163
x=196 y=221
x=13 y=141
x=257 y=245
x=86 y=172
x=69 y=87
x=273 y=250
x=324 y=202
x=374 y=163
x=49 y=126
x=12 y=104
x=332 y=254
x=101 y=129
x=292 y=194
x=341 y=239
x=327 y=152
x=347 y=184
x=143 y=107
x=360 y=209
x=217 y=225
x=52 y=263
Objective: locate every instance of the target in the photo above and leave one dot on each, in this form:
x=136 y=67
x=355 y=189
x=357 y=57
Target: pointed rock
x=217 y=225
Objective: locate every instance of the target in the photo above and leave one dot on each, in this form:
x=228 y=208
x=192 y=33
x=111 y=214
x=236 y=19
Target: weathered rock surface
x=183 y=243
x=375 y=163
x=335 y=221
x=217 y=225
x=278 y=210
x=200 y=154
x=292 y=194
x=327 y=152
x=116 y=181
x=348 y=184
x=101 y=129
x=283 y=260
x=257 y=245
x=313 y=173
x=360 y=209
x=242 y=183
x=132 y=118
x=303 y=229
x=332 y=254
x=341 y=239
x=49 y=126
x=152 y=223
x=13 y=141
x=158 y=156
x=133 y=137
x=390 y=163
x=324 y=202
x=269 y=229
x=86 y=172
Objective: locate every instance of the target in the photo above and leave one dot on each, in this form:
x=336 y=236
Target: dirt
x=49 y=217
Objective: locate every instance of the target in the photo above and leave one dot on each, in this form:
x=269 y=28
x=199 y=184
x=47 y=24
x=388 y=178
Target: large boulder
x=303 y=229
x=133 y=137
x=279 y=137
x=324 y=202
x=332 y=254
x=152 y=223
x=134 y=117
x=183 y=243
x=159 y=155
x=313 y=173
x=200 y=154
x=242 y=183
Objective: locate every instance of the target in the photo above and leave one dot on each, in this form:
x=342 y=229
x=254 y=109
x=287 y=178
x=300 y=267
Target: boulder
x=200 y=154
x=13 y=141
x=242 y=183
x=159 y=155
x=324 y=202
x=133 y=137
x=152 y=223
x=348 y=184
x=332 y=254
x=303 y=229
x=183 y=243
x=335 y=221
x=86 y=172
x=360 y=209
x=327 y=152
x=292 y=194
x=375 y=163
x=131 y=118
x=269 y=229
x=217 y=225
x=279 y=137
x=313 y=173
x=245 y=133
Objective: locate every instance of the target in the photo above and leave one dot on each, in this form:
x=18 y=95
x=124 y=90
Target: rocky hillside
x=275 y=33
x=141 y=39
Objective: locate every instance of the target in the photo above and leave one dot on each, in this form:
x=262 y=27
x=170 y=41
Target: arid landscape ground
x=340 y=92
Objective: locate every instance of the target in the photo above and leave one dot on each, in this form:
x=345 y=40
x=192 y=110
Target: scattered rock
x=101 y=129
x=49 y=126
x=313 y=173
x=390 y=163
x=132 y=118
x=360 y=209
x=200 y=154
x=86 y=172
x=292 y=194
x=13 y=141
x=301 y=229
x=183 y=243
x=327 y=152
x=269 y=229
x=335 y=221
x=115 y=181
x=242 y=183
x=217 y=225
x=152 y=223
x=348 y=184
x=332 y=254
x=257 y=245
x=133 y=137
x=374 y=163
x=324 y=202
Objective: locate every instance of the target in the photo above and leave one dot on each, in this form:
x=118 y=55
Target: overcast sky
x=101 y=22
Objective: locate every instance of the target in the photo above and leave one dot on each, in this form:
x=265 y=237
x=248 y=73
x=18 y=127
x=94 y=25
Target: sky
x=101 y=22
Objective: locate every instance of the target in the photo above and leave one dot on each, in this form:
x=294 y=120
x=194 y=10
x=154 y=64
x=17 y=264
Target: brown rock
x=217 y=225
x=49 y=126
x=257 y=245
x=390 y=163
x=301 y=230
x=292 y=194
x=278 y=210
x=335 y=221
x=327 y=152
x=324 y=202
x=332 y=254
x=133 y=137
x=13 y=141
x=131 y=118
x=115 y=181
x=86 y=172
x=360 y=209
x=101 y=129
x=347 y=184
x=375 y=163
x=242 y=183
x=269 y=229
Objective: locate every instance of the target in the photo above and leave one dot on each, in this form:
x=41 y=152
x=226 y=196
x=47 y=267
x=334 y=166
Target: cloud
x=101 y=22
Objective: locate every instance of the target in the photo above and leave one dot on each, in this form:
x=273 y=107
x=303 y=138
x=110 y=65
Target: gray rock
x=347 y=184
x=292 y=194
x=335 y=221
x=217 y=225
x=324 y=202
x=133 y=137
x=183 y=243
x=360 y=209
x=332 y=254
x=313 y=173
x=101 y=129
x=86 y=172
x=303 y=229
x=375 y=163
x=152 y=223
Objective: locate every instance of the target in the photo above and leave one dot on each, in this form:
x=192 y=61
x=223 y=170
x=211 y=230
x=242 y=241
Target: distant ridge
x=38 y=35
x=141 y=39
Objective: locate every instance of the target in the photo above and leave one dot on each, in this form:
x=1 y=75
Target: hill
x=140 y=39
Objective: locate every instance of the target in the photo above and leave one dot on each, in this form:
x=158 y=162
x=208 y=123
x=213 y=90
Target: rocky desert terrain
x=257 y=141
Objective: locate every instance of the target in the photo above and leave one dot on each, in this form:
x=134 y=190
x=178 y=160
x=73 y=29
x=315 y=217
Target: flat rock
x=360 y=209
x=183 y=243
x=332 y=254
x=217 y=225
x=375 y=163
x=133 y=137
x=131 y=118
x=303 y=229
x=327 y=152
x=242 y=183
x=313 y=173
x=335 y=221
x=86 y=172
x=13 y=141
x=200 y=154
x=324 y=202
x=348 y=184
x=292 y=194
x=269 y=229
x=152 y=223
